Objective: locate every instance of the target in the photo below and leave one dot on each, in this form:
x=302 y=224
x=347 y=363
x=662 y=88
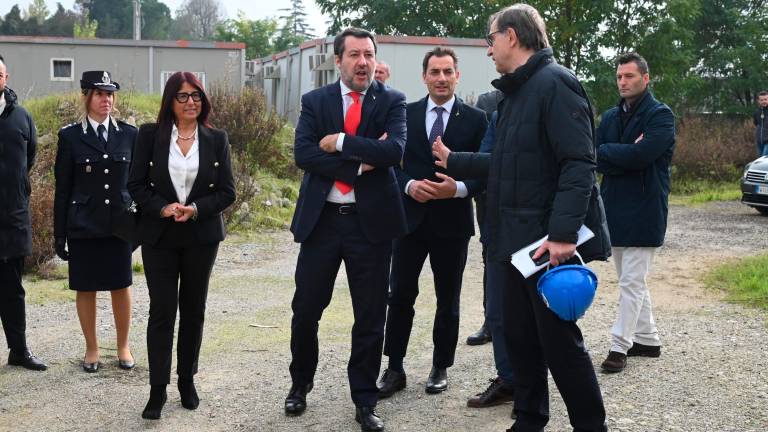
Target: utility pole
x=136 y=19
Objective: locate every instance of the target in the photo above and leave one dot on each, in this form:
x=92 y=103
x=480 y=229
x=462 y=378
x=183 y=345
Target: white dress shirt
x=95 y=126
x=429 y=120
x=335 y=196
x=183 y=168
x=2 y=101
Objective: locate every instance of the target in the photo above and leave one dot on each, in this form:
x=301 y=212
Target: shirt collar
x=175 y=132
x=95 y=124
x=448 y=105
x=346 y=90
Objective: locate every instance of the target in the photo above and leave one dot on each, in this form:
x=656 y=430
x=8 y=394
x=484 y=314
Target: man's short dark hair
x=762 y=93
x=527 y=23
x=630 y=57
x=338 y=42
x=439 y=52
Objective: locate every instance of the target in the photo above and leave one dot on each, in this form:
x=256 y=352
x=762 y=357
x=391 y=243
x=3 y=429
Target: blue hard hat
x=568 y=290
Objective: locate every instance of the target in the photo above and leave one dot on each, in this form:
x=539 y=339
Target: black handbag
x=126 y=224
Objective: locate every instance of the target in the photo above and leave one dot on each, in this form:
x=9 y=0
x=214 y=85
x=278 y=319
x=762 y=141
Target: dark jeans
x=176 y=278
x=338 y=237
x=447 y=257
x=494 y=321
x=537 y=339
x=12 y=310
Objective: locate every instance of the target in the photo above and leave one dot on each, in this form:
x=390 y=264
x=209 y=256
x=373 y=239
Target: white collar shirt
x=95 y=126
x=335 y=196
x=183 y=168
x=432 y=115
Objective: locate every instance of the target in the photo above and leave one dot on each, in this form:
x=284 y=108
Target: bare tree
x=197 y=19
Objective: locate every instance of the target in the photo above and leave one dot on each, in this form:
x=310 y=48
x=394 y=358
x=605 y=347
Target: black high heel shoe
x=157 y=398
x=90 y=367
x=126 y=364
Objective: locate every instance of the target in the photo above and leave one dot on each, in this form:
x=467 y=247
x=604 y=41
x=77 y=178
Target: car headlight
x=746 y=170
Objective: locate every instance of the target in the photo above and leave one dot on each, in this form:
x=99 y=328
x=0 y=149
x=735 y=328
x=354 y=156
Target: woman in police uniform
x=92 y=163
x=181 y=178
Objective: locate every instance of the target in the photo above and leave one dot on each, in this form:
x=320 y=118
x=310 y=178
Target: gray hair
x=527 y=23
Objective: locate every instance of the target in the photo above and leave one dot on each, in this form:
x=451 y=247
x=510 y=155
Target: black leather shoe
x=126 y=364
x=640 y=350
x=188 y=393
x=615 y=362
x=437 y=381
x=391 y=382
x=480 y=337
x=26 y=360
x=296 y=401
x=157 y=398
x=91 y=367
x=368 y=419
x=497 y=393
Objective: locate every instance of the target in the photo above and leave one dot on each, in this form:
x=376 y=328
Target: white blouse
x=183 y=169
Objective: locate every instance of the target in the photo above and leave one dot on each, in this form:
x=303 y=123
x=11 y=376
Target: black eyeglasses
x=182 y=97
x=489 y=37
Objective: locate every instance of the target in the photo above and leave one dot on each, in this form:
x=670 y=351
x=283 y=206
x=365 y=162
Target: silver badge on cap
x=105 y=78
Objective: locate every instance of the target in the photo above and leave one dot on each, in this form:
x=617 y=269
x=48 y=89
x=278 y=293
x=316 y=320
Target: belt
x=343 y=209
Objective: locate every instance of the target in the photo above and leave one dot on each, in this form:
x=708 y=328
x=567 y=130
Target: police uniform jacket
x=91 y=179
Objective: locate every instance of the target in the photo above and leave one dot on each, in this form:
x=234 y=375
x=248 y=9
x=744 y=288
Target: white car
x=754 y=185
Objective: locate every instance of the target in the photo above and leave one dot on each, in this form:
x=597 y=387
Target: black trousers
x=448 y=257
x=176 y=278
x=12 y=310
x=537 y=339
x=338 y=237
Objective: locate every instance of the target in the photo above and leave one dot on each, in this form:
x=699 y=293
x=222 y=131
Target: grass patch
x=271 y=207
x=42 y=291
x=744 y=282
x=137 y=267
x=691 y=192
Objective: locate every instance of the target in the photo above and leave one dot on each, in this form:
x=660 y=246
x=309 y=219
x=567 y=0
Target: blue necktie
x=437 y=126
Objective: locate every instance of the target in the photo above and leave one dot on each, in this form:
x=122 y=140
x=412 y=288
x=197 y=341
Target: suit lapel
x=369 y=107
x=453 y=120
x=335 y=106
x=205 y=155
x=90 y=139
x=160 y=158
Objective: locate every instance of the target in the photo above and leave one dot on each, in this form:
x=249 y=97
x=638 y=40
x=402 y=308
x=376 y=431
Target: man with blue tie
x=349 y=137
x=440 y=221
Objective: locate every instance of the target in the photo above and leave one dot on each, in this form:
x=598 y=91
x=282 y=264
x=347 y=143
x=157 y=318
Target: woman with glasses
x=92 y=162
x=181 y=178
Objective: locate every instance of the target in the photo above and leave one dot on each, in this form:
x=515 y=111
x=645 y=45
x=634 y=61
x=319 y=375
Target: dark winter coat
x=636 y=175
x=541 y=178
x=18 y=143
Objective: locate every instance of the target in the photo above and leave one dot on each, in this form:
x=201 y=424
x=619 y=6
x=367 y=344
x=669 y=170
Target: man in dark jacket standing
x=17 y=154
x=541 y=182
x=761 y=124
x=635 y=142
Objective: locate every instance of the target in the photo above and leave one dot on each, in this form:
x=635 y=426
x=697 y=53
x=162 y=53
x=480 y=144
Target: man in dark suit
x=350 y=136
x=440 y=221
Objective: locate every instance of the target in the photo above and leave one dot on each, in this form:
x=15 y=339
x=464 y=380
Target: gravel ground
x=712 y=375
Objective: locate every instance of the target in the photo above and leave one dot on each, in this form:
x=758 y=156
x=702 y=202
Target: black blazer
x=452 y=217
x=91 y=180
x=379 y=205
x=150 y=186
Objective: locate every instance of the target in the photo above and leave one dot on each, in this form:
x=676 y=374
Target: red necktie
x=351 y=122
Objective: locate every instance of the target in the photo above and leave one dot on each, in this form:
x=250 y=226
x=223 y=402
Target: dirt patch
x=712 y=374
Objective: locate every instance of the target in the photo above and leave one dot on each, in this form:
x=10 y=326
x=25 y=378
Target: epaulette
x=122 y=123
x=70 y=125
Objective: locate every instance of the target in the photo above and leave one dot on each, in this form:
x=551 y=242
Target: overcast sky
x=254 y=9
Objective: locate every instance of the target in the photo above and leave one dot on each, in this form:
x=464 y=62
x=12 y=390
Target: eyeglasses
x=489 y=37
x=182 y=97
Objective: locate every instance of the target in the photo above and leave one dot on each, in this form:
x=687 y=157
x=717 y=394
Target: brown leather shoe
x=640 y=350
x=615 y=362
x=497 y=393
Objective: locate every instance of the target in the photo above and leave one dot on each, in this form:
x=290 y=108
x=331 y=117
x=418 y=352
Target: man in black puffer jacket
x=541 y=181
x=17 y=154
